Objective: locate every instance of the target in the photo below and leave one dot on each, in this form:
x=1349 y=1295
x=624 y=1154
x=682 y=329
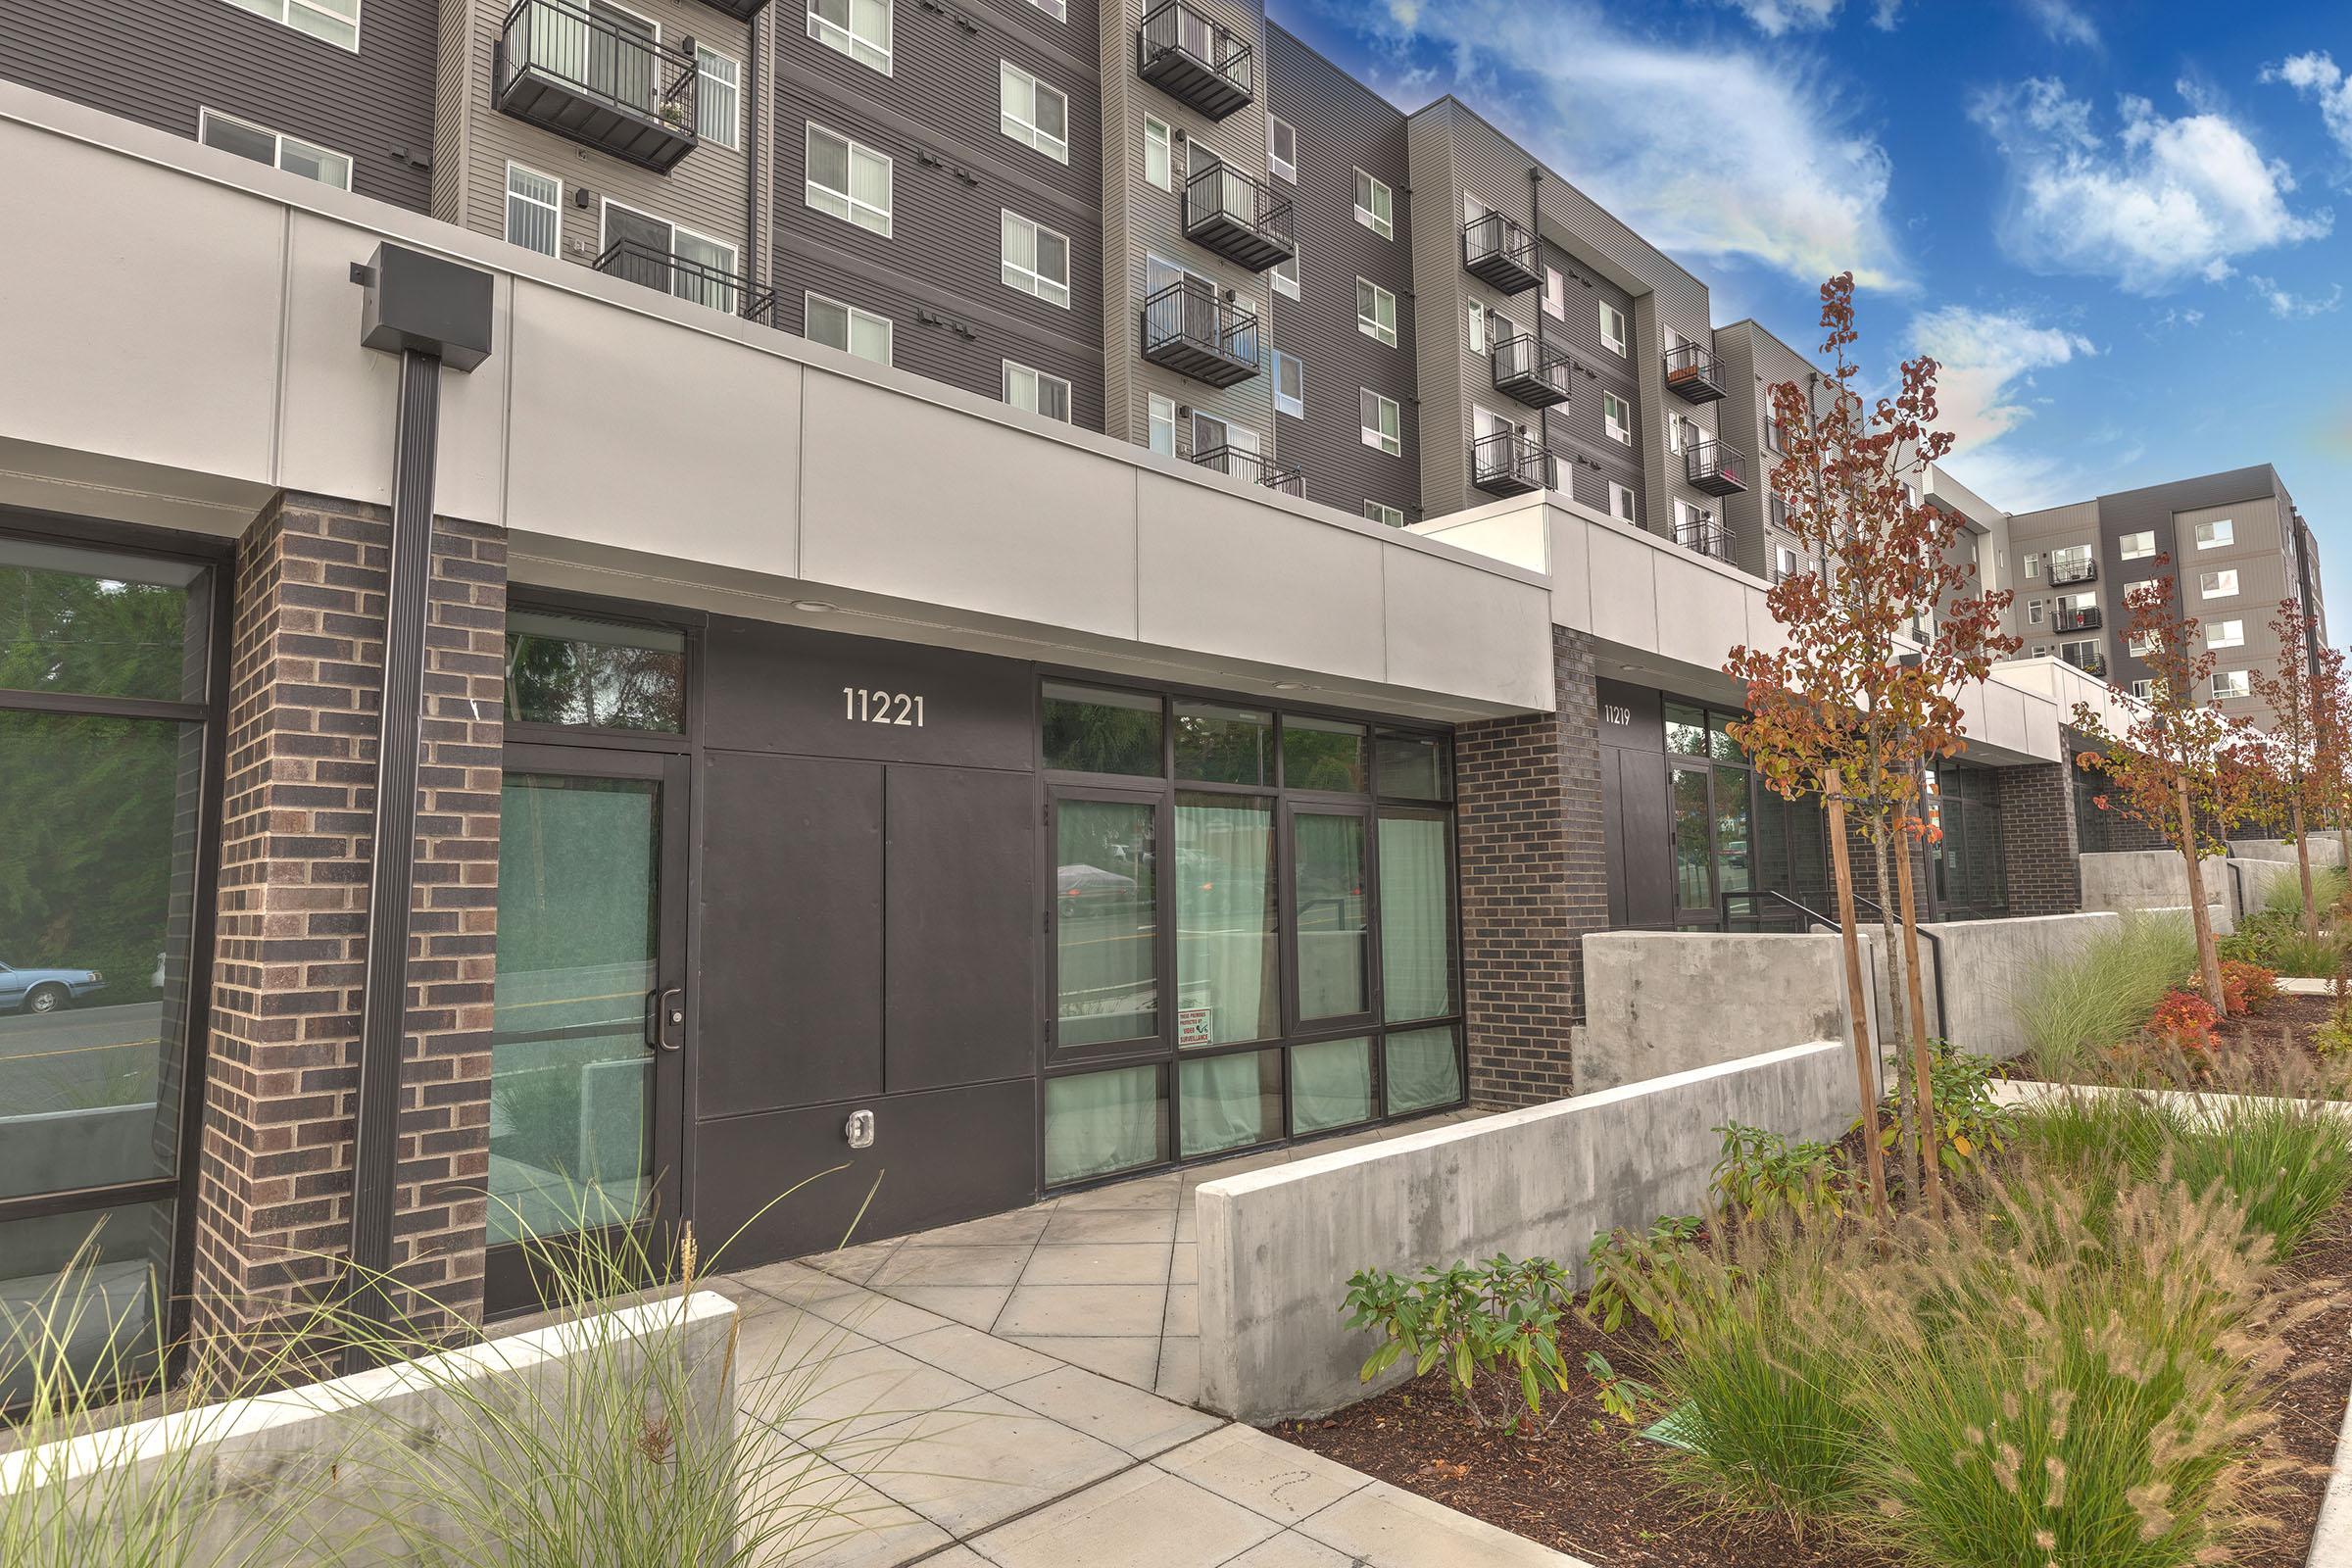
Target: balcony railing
x=1501 y=254
x=2086 y=619
x=1534 y=372
x=1192 y=330
x=1255 y=466
x=2091 y=663
x=598 y=81
x=1704 y=535
x=688 y=279
x=1238 y=217
x=1506 y=463
x=1695 y=375
x=1194 y=60
x=1716 y=469
x=2074 y=571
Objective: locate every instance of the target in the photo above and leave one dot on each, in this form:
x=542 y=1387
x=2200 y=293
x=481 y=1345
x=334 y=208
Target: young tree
x=2292 y=751
x=2331 y=715
x=1865 y=686
x=2172 y=768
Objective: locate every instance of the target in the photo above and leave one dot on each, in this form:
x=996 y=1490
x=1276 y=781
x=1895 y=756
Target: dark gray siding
x=1589 y=459
x=1341 y=126
x=161 y=61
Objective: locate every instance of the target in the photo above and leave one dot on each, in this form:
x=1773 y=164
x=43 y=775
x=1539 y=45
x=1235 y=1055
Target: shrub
x=2080 y=1006
x=2332 y=1040
x=1969 y=1121
x=2286 y=892
x=2294 y=953
x=2248 y=988
x=1501 y=1317
x=1643 y=1273
x=1764 y=1175
x=2185 y=1021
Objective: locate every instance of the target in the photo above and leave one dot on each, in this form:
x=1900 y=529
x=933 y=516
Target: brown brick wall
x=1533 y=879
x=2038 y=839
x=274 y=1179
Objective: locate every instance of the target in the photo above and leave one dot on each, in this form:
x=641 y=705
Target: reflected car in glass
x=45 y=990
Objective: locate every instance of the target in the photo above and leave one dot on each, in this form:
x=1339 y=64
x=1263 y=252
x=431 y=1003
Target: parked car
x=45 y=990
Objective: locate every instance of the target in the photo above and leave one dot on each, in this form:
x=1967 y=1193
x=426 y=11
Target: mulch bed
x=1595 y=1489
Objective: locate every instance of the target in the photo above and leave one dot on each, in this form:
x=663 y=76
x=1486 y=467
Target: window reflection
x=1693 y=886
x=598 y=674
x=1334 y=978
x=1107 y=925
x=1225 y=922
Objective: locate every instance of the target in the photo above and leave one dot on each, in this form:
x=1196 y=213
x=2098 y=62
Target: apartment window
x=1037 y=259
x=1612 y=327
x=2032 y=567
x=1776 y=506
x=1376 y=312
x=1160 y=417
x=1680 y=433
x=858 y=29
x=1375 y=206
x=1037 y=392
x=1285 y=276
x=1784 y=561
x=848 y=328
x=850 y=182
x=2215 y=534
x=1382 y=513
x=2079 y=655
x=1776 y=438
x=1621 y=500
x=1290 y=385
x=2226 y=634
x=678 y=261
x=335 y=20
x=2033 y=612
x=2217 y=584
x=2138 y=546
x=1282 y=149
x=296 y=156
x=1058 y=10
x=1383 y=424
x=534 y=210
x=2144 y=690
x=719 y=81
x=2228 y=683
x=2139 y=647
x=1033 y=113
x=2067 y=564
x=1160 y=167
x=1616 y=418
x=1555 y=294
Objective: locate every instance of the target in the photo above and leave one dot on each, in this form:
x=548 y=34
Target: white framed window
x=1290 y=385
x=264 y=146
x=1160 y=414
x=848 y=328
x=1037 y=392
x=1032 y=113
x=2034 y=610
x=858 y=29
x=690 y=266
x=1784 y=561
x=2141 y=647
x=2218 y=584
x=1480 y=339
x=1680 y=433
x=1286 y=275
x=850 y=182
x=2144 y=690
x=1616 y=418
x=1621 y=500
x=1375 y=312
x=2081 y=655
x=337 y=22
x=1037 y=259
x=1375 y=206
x=1282 y=149
x=1383 y=423
x=2077 y=603
x=1160 y=164
x=2215 y=534
x=717 y=111
x=2228 y=683
x=2226 y=634
x=534 y=210
x=1382 y=513
x=2032 y=567
x=1555 y=294
x=1555 y=474
x=2138 y=546
x=1058 y=10
x=1612 y=327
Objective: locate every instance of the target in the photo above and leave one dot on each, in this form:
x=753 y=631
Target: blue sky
x=2115 y=224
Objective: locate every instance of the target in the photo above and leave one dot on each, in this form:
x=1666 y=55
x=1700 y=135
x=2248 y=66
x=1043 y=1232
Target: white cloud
x=2063 y=23
x=2291 y=307
x=1775 y=16
x=2180 y=318
x=2317 y=77
x=1883 y=14
x=1989 y=360
x=2163 y=201
x=1715 y=153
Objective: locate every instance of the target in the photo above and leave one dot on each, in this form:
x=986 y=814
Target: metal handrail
x=2085 y=620
x=1497 y=236
x=1690 y=361
x=1256 y=466
x=1172 y=26
x=1705 y=536
x=1191 y=310
x=1506 y=451
x=2089 y=571
x=688 y=279
x=1258 y=207
x=1935 y=939
x=567 y=45
x=1715 y=458
x=1526 y=356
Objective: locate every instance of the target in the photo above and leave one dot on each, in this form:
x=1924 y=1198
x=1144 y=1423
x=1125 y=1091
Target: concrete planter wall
x=2155 y=879
x=1277 y=1246
x=1654 y=999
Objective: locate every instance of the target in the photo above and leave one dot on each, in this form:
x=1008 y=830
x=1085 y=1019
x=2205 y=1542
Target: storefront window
x=563 y=669
x=1424 y=1070
x=1230 y=1101
x=1101 y=1123
x=1106 y=923
x=1089 y=730
x=1226 y=968
x=1693 y=886
x=1416 y=916
x=1330 y=1085
x=1415 y=767
x=1322 y=753
x=1720 y=743
x=1334 y=936
x=1685 y=730
x=1734 y=849
x=1220 y=745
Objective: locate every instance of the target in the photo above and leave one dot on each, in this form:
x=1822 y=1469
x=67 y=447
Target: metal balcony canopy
x=1534 y=372
x=593 y=75
x=1191 y=330
x=1695 y=375
x=1717 y=468
x=1239 y=218
x=1501 y=254
x=1194 y=60
x=1506 y=463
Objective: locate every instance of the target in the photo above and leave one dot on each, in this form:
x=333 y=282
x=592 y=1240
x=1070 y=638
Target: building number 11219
x=860 y=706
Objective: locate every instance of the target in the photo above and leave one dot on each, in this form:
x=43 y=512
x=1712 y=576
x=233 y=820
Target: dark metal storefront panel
x=961 y=998
x=820 y=693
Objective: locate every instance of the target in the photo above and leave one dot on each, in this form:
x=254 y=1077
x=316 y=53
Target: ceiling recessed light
x=813 y=607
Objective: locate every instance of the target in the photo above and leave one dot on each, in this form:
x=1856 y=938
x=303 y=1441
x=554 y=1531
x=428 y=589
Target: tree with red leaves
x=1864 y=690
x=2331 y=718
x=2292 y=746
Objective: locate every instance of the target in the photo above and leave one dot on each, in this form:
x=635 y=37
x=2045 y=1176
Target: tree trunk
x=2209 y=962
x=2343 y=848
x=2311 y=908
x=1923 y=1077
x=1899 y=1024
x=1857 y=996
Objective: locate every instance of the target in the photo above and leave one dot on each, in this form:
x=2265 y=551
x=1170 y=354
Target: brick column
x=2039 y=848
x=275 y=1157
x=1534 y=880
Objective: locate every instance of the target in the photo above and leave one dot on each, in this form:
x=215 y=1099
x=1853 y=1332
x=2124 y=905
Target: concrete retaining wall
x=1277 y=1246
x=328 y=1457
x=1655 y=1001
x=2155 y=879
x=1987 y=961
x=2325 y=849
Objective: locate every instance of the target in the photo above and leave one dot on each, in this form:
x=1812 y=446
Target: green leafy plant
x=1969 y=1121
x=1498 y=1322
x=2074 y=1009
x=2332 y=1040
x=1638 y=1273
x=1763 y=1174
x=1620 y=1396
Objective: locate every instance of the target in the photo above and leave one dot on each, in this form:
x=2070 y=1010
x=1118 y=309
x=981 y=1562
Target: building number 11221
x=860 y=706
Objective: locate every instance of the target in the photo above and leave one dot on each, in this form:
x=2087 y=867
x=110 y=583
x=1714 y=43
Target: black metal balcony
x=1238 y=217
x=1194 y=60
x=689 y=280
x=596 y=81
x=1533 y=372
x=1695 y=375
x=739 y=10
x=2087 y=571
x=1506 y=463
x=1704 y=535
x=1501 y=254
x=2076 y=619
x=1192 y=330
x=1716 y=469
x=1255 y=466
x=2090 y=663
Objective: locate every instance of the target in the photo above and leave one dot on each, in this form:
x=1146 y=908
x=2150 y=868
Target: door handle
x=666 y=1021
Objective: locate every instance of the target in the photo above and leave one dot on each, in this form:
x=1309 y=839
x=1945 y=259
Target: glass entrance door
x=591 y=1010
